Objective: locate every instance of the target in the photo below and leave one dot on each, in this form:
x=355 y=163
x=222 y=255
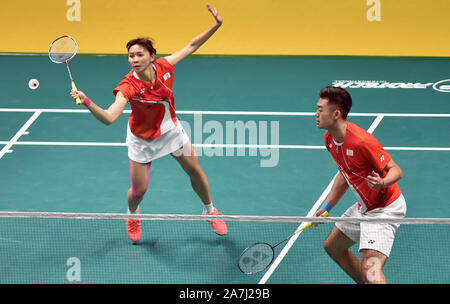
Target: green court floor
x=67 y=161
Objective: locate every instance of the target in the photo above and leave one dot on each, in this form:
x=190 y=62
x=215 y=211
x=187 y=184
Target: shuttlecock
x=33 y=84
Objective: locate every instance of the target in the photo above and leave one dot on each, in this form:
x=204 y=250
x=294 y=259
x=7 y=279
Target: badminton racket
x=258 y=256
x=62 y=50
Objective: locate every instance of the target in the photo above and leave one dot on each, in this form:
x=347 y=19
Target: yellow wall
x=289 y=27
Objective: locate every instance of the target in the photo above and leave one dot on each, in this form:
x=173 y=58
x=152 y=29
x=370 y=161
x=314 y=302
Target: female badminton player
x=153 y=130
x=372 y=174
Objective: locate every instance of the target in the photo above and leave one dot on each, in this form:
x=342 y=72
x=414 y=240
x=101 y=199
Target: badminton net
x=92 y=248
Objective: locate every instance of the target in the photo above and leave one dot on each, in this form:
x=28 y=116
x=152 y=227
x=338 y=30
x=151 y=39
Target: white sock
x=132 y=212
x=209 y=208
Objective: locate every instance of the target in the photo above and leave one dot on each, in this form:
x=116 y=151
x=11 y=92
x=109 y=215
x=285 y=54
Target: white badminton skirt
x=144 y=151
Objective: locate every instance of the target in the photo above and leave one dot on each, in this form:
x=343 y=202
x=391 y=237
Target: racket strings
x=256 y=258
x=63 y=49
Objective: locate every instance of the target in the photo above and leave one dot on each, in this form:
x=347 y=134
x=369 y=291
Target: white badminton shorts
x=145 y=151
x=379 y=237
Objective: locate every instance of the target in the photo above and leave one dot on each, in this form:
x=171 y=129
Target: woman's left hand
x=216 y=15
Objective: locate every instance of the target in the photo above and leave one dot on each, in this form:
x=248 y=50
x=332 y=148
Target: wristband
x=325 y=206
x=87 y=102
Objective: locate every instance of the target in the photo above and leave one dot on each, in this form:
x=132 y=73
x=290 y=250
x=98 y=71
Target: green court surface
x=67 y=161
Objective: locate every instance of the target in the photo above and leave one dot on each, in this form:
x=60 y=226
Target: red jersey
x=356 y=158
x=152 y=105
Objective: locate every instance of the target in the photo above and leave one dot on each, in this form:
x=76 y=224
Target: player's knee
x=333 y=249
x=138 y=193
x=195 y=171
x=329 y=248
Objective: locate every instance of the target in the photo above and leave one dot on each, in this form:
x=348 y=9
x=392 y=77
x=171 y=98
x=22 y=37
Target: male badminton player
x=372 y=175
x=153 y=129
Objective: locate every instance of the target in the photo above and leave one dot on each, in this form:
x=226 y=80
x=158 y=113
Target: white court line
x=375 y=124
x=117 y=144
x=311 y=212
x=235 y=113
x=378 y=119
x=378 y=115
x=123 y=144
x=19 y=133
x=67 y=143
x=416 y=149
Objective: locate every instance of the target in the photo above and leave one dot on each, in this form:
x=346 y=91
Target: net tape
x=241 y=218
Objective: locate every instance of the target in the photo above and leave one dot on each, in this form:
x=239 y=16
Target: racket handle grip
x=325 y=213
x=74 y=88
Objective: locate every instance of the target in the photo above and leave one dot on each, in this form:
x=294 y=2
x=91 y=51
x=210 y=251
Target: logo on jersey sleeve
x=382 y=158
